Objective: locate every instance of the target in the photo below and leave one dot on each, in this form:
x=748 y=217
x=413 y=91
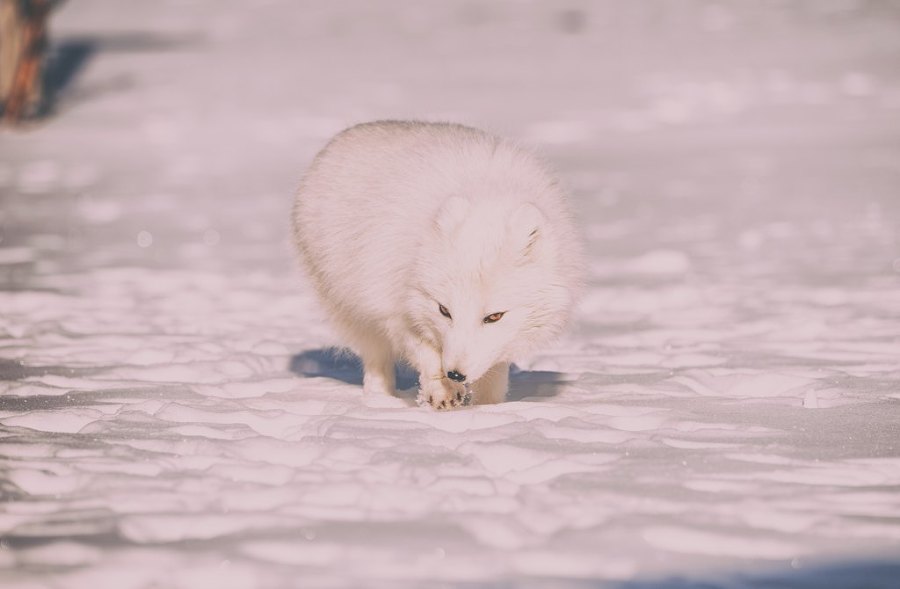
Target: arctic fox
x=440 y=245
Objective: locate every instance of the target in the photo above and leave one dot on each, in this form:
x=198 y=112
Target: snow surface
x=725 y=411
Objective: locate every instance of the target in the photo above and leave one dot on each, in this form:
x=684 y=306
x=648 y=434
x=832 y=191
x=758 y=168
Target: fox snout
x=457 y=369
x=456 y=360
x=456 y=376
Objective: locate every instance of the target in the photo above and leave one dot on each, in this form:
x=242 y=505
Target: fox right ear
x=451 y=214
x=525 y=226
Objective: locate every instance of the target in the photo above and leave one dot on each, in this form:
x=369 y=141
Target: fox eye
x=444 y=311
x=494 y=317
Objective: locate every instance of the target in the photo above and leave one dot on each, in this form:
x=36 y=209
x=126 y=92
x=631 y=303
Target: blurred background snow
x=723 y=412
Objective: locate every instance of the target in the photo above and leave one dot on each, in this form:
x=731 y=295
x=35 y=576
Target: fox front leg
x=492 y=387
x=435 y=389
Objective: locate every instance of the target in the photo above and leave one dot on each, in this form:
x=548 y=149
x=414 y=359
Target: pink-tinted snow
x=725 y=411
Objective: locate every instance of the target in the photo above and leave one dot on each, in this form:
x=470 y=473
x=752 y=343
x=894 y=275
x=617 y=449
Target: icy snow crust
x=724 y=411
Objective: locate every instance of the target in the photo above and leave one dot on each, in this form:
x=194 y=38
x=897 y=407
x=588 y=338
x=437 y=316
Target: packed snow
x=723 y=412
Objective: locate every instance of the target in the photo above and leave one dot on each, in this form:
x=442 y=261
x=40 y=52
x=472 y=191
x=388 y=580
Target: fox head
x=489 y=285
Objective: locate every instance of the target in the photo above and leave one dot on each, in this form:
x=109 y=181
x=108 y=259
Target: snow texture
x=725 y=411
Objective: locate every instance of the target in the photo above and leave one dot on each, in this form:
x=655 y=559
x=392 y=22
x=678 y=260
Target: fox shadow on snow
x=345 y=366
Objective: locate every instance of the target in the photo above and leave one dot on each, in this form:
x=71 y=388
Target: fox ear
x=525 y=227
x=450 y=214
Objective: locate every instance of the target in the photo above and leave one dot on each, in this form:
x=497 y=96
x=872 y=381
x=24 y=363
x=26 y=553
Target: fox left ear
x=525 y=226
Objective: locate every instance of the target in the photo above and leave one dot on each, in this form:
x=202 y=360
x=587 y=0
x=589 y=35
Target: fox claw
x=443 y=399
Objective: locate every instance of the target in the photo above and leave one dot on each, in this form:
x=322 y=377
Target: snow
x=724 y=412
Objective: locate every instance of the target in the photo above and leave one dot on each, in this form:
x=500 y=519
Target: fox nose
x=454 y=375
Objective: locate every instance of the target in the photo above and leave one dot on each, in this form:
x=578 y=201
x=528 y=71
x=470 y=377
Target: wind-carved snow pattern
x=724 y=409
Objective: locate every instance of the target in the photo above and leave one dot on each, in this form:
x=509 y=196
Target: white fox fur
x=401 y=223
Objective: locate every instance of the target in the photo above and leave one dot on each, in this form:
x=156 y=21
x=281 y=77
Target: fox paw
x=444 y=395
